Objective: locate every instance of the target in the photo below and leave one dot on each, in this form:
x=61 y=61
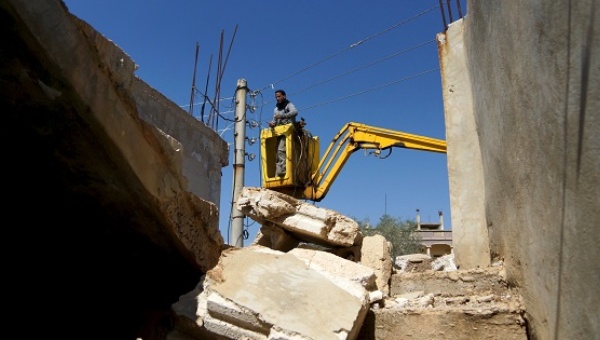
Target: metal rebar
x=443 y=14
x=459 y=9
x=194 y=81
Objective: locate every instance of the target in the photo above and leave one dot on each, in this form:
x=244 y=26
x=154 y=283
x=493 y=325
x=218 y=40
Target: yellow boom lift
x=309 y=176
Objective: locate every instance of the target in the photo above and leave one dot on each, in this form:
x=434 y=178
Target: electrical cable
x=369 y=90
x=364 y=66
x=360 y=42
x=354 y=70
x=351 y=46
x=378 y=87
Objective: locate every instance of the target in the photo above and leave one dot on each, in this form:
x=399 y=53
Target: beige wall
x=203 y=153
x=172 y=161
x=465 y=170
x=526 y=107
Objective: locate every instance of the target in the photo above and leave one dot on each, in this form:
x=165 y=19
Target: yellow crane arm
x=354 y=136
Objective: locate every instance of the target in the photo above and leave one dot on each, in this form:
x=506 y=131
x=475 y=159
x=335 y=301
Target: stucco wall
x=203 y=153
x=173 y=161
x=465 y=172
x=102 y=203
x=534 y=71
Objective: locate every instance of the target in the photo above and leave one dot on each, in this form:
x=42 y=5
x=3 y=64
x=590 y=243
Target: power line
x=364 y=66
x=360 y=42
x=360 y=67
x=378 y=87
x=369 y=90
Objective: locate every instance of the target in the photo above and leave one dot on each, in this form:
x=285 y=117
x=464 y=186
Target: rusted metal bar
x=191 y=112
x=459 y=9
x=205 y=95
x=443 y=14
x=449 y=11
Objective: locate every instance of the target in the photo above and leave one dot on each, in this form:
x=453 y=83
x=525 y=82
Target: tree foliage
x=402 y=234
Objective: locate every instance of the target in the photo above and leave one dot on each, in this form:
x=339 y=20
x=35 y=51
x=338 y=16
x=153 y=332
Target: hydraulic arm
x=310 y=176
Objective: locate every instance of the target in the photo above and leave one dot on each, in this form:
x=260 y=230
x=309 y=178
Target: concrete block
x=305 y=221
x=376 y=254
x=259 y=293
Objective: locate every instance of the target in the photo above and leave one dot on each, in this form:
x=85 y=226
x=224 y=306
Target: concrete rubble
x=302 y=277
x=304 y=221
x=310 y=274
x=440 y=304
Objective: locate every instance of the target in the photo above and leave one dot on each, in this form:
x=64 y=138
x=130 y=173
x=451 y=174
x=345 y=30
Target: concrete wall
x=203 y=152
x=174 y=162
x=526 y=106
x=465 y=172
x=102 y=202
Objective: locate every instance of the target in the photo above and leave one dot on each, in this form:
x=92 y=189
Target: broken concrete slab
x=347 y=253
x=276 y=238
x=413 y=258
x=304 y=220
x=353 y=277
x=376 y=254
x=444 y=263
x=259 y=293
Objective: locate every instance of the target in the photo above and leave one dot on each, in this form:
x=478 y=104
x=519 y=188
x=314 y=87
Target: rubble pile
x=305 y=276
x=311 y=274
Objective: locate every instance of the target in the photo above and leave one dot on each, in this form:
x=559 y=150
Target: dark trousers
x=280 y=164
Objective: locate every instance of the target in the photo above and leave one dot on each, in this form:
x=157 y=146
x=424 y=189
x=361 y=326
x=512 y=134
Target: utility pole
x=385 y=205
x=239 y=145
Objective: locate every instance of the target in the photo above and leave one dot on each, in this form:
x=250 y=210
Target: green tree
x=402 y=234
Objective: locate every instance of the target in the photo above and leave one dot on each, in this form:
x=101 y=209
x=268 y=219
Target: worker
x=285 y=113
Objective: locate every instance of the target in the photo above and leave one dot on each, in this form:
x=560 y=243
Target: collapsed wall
x=107 y=225
x=310 y=274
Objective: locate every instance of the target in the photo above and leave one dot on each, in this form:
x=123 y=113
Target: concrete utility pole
x=237 y=218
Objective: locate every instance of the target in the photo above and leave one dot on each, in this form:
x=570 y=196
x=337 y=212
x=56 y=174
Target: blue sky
x=390 y=79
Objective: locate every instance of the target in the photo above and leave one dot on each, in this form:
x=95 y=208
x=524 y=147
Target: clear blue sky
x=390 y=80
